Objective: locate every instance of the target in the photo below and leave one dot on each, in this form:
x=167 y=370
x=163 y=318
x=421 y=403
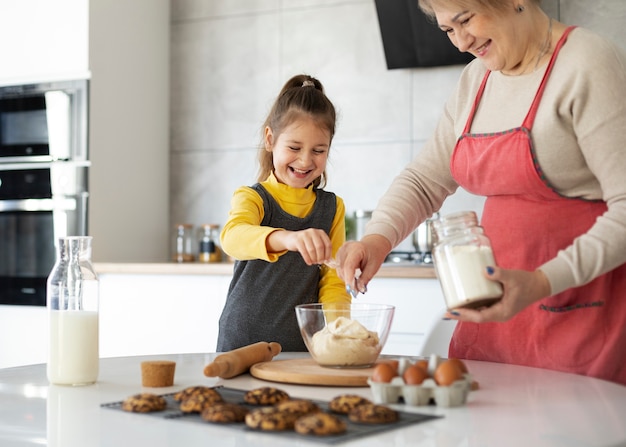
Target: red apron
x=582 y=330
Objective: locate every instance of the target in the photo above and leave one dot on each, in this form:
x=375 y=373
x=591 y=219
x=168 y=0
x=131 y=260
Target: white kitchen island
x=163 y=308
x=514 y=406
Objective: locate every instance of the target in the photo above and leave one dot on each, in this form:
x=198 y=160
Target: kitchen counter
x=226 y=268
x=514 y=406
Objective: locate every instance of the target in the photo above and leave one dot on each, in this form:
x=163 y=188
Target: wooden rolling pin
x=239 y=361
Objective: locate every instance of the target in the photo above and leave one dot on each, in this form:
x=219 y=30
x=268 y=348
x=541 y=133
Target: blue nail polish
x=455 y=313
x=490 y=270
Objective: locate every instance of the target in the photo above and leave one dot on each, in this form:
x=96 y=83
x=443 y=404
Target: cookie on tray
x=195 y=390
x=224 y=413
x=298 y=406
x=344 y=403
x=265 y=396
x=373 y=414
x=270 y=419
x=198 y=402
x=320 y=424
x=144 y=403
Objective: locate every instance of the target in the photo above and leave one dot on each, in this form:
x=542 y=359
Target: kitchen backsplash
x=230 y=59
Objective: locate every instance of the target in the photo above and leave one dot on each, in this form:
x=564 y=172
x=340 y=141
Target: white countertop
x=515 y=406
x=226 y=268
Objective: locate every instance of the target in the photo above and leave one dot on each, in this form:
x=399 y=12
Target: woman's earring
x=520 y=8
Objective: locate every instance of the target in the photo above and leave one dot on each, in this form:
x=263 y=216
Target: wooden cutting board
x=307 y=372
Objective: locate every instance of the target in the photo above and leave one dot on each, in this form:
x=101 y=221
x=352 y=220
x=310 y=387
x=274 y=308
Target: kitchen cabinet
x=44 y=40
x=146 y=314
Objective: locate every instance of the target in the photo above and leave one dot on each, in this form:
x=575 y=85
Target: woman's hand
x=313 y=244
x=366 y=256
x=521 y=289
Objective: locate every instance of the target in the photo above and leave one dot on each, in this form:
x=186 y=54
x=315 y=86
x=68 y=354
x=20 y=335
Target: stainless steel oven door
x=28 y=231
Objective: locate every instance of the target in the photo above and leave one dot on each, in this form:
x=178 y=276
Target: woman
x=536 y=125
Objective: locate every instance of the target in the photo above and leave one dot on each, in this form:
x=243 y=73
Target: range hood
x=410 y=39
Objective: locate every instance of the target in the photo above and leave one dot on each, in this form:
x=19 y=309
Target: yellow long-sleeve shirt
x=244 y=238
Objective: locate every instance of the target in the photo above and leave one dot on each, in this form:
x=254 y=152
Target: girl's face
x=496 y=40
x=299 y=153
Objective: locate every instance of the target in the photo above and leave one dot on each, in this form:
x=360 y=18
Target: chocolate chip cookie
x=298 y=406
x=373 y=414
x=195 y=390
x=144 y=403
x=224 y=413
x=270 y=419
x=320 y=424
x=198 y=402
x=344 y=403
x=265 y=396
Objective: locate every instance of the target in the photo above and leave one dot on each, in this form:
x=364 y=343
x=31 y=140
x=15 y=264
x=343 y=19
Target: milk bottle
x=73 y=300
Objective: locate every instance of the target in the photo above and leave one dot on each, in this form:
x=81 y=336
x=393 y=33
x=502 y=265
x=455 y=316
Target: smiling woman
x=531 y=127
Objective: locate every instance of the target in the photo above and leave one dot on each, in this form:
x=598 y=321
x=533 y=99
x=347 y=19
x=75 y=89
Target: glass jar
x=461 y=256
x=209 y=249
x=73 y=306
x=183 y=243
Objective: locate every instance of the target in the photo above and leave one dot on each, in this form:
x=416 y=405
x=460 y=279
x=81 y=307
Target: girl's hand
x=521 y=289
x=313 y=244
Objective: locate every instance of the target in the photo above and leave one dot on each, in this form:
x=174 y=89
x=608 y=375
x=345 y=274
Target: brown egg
x=383 y=373
x=460 y=364
x=394 y=363
x=422 y=364
x=414 y=375
x=447 y=372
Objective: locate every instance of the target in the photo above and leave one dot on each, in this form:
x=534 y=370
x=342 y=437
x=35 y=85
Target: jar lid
x=212 y=225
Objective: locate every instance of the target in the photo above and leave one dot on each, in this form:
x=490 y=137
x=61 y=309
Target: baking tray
x=354 y=431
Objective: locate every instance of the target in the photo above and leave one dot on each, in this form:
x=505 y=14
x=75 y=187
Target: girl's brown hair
x=301 y=96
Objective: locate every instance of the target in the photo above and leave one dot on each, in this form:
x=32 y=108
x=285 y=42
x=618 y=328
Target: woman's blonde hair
x=301 y=96
x=494 y=6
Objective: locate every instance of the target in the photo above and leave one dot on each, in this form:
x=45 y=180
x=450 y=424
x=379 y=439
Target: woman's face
x=493 y=38
x=299 y=153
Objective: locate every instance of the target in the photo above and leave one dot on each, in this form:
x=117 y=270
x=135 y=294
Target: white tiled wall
x=230 y=58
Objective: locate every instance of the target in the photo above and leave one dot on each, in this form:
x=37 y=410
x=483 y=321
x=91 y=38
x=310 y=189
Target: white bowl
x=345 y=335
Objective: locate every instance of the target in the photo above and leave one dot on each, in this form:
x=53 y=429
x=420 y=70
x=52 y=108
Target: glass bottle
x=209 y=249
x=461 y=256
x=182 y=250
x=73 y=305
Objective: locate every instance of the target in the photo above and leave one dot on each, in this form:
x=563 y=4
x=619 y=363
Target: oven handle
x=56 y=204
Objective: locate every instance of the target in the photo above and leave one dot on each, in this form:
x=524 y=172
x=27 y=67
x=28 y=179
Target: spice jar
x=183 y=246
x=209 y=249
x=461 y=256
x=72 y=291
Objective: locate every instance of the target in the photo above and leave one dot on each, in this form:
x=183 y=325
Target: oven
x=44 y=169
x=44 y=122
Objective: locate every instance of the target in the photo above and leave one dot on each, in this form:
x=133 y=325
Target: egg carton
x=453 y=395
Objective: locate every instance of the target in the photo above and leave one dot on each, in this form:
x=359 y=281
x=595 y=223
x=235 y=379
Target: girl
x=282 y=229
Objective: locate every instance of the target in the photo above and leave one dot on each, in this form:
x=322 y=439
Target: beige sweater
x=580 y=139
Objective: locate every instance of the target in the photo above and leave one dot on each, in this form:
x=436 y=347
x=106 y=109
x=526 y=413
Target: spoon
x=333 y=264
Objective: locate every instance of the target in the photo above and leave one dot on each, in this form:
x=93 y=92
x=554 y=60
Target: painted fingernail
x=455 y=313
x=490 y=270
